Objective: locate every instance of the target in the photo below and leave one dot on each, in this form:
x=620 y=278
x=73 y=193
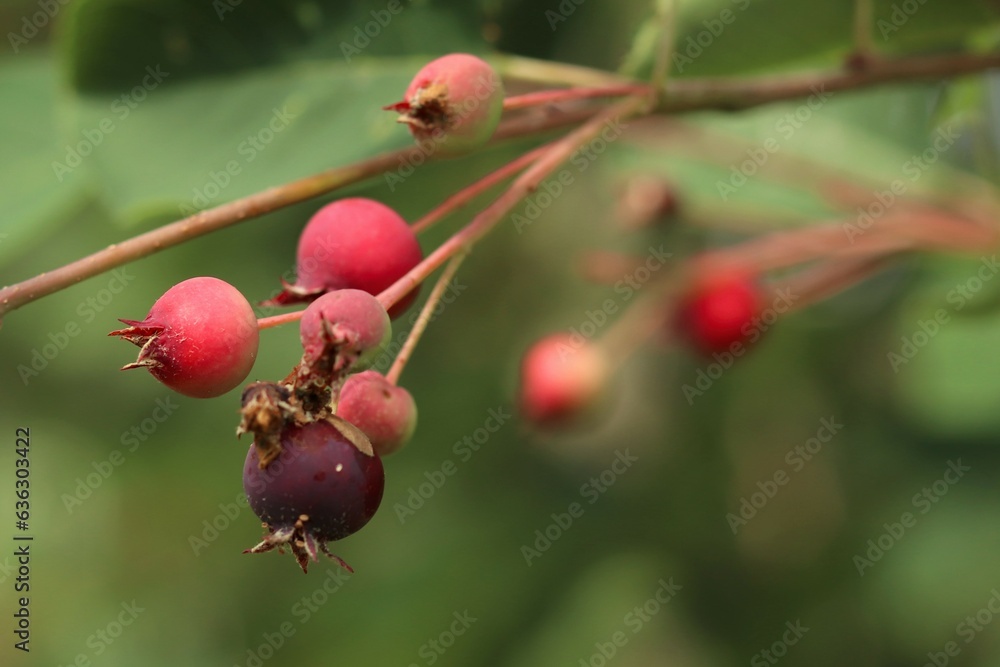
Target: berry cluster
x=314 y=472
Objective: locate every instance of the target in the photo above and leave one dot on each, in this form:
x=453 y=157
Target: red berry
x=561 y=379
x=321 y=487
x=454 y=102
x=348 y=327
x=386 y=413
x=353 y=243
x=200 y=338
x=718 y=311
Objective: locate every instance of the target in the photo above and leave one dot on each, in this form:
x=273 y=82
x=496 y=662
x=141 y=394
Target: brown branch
x=224 y=215
x=680 y=96
x=733 y=94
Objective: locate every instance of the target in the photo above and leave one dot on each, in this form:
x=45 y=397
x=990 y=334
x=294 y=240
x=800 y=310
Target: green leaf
x=193 y=146
x=34 y=198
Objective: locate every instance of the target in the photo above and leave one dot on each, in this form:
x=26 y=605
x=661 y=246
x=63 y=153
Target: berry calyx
x=386 y=413
x=200 y=338
x=562 y=378
x=455 y=102
x=718 y=311
x=321 y=487
x=353 y=243
x=344 y=330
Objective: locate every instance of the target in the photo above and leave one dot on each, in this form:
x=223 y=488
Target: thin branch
x=523 y=186
x=464 y=196
x=246 y=208
x=683 y=95
x=667 y=18
x=424 y=318
x=543 y=97
x=733 y=94
x=864 y=18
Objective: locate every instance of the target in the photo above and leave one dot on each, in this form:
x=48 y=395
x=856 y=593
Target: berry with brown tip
x=200 y=338
x=454 y=103
x=326 y=484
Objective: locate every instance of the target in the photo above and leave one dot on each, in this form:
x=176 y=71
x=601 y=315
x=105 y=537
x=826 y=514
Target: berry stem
x=667 y=18
x=683 y=95
x=19 y=294
x=896 y=232
x=523 y=186
x=543 y=97
x=278 y=320
x=424 y=318
x=738 y=93
x=467 y=194
x=645 y=317
x=830 y=278
x=864 y=14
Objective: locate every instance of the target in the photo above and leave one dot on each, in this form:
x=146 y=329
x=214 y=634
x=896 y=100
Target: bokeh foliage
x=664 y=518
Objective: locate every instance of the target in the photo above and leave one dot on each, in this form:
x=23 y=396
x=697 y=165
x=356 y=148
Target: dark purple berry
x=321 y=487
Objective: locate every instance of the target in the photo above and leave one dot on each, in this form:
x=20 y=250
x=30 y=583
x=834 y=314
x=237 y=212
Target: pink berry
x=353 y=243
x=561 y=379
x=348 y=328
x=200 y=338
x=385 y=413
x=454 y=102
x=718 y=311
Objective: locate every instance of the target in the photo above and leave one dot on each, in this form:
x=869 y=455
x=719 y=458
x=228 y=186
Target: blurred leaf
x=947 y=381
x=34 y=198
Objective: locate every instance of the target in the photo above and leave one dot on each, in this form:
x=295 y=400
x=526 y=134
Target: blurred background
x=119 y=115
